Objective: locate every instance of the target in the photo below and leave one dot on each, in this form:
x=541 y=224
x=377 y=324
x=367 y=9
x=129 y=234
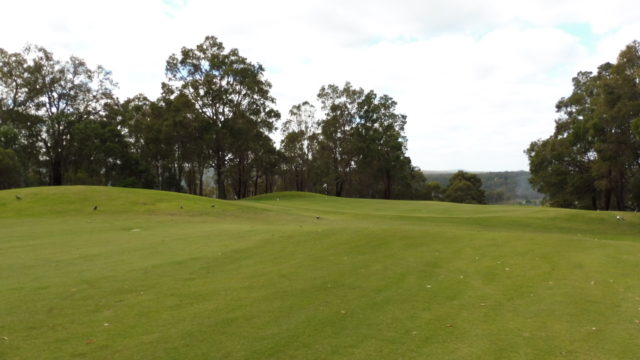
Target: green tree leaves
x=233 y=97
x=592 y=160
x=465 y=188
x=61 y=122
x=45 y=98
x=357 y=147
x=10 y=169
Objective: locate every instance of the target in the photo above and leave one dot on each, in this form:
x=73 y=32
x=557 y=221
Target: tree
x=380 y=142
x=68 y=93
x=434 y=191
x=61 y=121
x=357 y=147
x=562 y=169
x=147 y=135
x=224 y=87
x=298 y=145
x=592 y=160
x=245 y=161
x=10 y=169
x=44 y=99
x=566 y=164
x=617 y=105
x=465 y=188
x=17 y=125
x=336 y=146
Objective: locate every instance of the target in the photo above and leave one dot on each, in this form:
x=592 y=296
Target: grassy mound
x=151 y=274
x=288 y=195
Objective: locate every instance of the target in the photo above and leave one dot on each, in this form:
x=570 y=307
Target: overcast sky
x=478 y=80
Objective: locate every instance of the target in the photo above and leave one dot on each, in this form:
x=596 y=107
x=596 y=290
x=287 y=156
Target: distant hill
x=501 y=187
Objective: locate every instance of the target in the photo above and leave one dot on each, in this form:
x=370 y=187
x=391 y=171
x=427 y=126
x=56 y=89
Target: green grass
x=143 y=278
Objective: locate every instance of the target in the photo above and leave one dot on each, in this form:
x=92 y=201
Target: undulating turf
x=158 y=275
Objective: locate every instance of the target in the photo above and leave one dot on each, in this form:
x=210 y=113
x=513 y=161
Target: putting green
x=159 y=275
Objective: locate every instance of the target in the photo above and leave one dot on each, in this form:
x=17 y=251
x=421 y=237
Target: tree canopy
x=356 y=147
x=592 y=160
x=465 y=188
x=209 y=133
x=232 y=96
x=60 y=123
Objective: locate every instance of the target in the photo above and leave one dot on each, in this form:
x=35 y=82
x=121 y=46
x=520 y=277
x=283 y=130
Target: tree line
x=500 y=187
x=592 y=160
x=60 y=123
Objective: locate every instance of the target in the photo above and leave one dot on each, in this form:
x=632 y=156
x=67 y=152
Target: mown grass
x=156 y=275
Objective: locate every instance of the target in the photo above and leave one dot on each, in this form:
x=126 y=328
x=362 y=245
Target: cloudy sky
x=478 y=80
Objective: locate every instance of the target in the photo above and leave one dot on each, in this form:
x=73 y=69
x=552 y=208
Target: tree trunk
x=268 y=183
x=222 y=193
x=179 y=169
x=339 y=185
x=620 y=198
x=238 y=187
x=190 y=180
x=56 y=170
x=158 y=176
x=387 y=185
x=607 y=199
x=201 y=181
x=255 y=183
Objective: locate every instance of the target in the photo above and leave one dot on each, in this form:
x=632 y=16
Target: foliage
x=45 y=99
x=212 y=119
x=593 y=157
x=357 y=147
x=500 y=187
x=464 y=188
x=232 y=96
x=298 y=146
x=10 y=169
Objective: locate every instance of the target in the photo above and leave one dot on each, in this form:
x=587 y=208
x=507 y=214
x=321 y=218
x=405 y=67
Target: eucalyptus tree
x=562 y=165
x=224 y=87
x=145 y=135
x=380 y=142
x=357 y=147
x=617 y=106
x=99 y=153
x=592 y=160
x=15 y=85
x=298 y=144
x=189 y=142
x=336 y=150
x=244 y=151
x=17 y=125
x=66 y=93
x=45 y=98
x=361 y=143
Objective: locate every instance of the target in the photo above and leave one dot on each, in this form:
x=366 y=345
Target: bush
x=465 y=188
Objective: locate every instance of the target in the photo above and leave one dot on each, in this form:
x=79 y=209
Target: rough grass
x=143 y=278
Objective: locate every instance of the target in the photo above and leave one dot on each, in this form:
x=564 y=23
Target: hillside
x=159 y=275
x=501 y=187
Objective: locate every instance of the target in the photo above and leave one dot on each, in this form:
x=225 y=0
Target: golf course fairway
x=112 y=273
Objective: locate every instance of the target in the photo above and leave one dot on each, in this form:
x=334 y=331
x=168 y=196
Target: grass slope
x=143 y=278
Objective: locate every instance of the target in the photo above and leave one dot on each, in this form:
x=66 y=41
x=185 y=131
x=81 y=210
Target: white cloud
x=478 y=80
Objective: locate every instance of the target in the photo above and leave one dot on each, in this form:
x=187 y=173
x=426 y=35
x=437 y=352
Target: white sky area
x=478 y=80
